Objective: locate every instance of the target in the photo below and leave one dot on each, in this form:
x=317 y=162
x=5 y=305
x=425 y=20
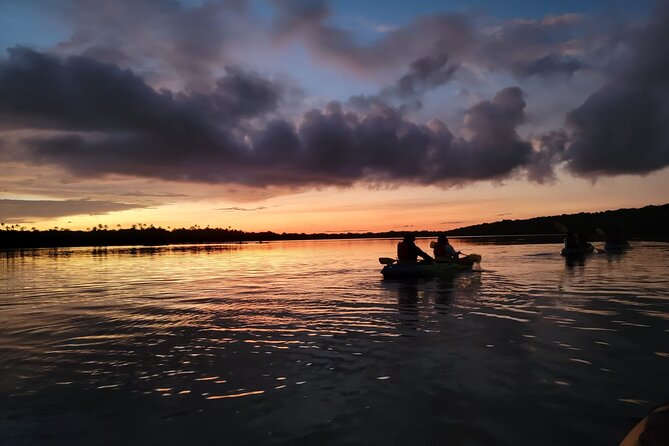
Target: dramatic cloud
x=19 y=210
x=493 y=148
x=189 y=43
x=169 y=39
x=549 y=46
x=122 y=125
x=425 y=74
x=623 y=127
x=92 y=116
x=109 y=121
x=309 y=22
x=549 y=153
x=79 y=93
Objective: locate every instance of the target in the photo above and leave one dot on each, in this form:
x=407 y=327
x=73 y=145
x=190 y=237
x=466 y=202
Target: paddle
x=475 y=257
x=386 y=260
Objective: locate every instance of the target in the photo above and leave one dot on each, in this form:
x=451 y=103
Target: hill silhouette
x=649 y=223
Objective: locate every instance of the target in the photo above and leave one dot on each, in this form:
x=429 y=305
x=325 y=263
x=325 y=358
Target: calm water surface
x=304 y=343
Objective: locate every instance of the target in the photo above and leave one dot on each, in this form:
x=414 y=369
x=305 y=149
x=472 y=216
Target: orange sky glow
x=362 y=209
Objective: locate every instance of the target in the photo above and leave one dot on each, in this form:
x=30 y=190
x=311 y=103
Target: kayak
x=425 y=269
x=652 y=430
x=577 y=251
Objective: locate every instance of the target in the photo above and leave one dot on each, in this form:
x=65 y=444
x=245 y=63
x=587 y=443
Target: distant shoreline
x=648 y=223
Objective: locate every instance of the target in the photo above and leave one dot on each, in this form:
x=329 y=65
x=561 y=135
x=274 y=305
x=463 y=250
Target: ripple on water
x=304 y=340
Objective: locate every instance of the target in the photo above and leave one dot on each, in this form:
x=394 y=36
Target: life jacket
x=440 y=251
x=406 y=252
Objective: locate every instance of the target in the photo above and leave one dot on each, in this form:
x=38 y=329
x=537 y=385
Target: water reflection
x=576 y=261
x=407 y=303
x=445 y=292
x=421 y=299
x=304 y=342
x=615 y=256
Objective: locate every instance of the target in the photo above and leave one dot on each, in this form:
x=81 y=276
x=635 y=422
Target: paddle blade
x=386 y=260
x=475 y=258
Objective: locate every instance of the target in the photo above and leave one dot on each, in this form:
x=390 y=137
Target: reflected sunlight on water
x=304 y=342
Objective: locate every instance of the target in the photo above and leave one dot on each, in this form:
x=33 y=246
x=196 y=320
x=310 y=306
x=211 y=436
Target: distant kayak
x=578 y=251
x=428 y=269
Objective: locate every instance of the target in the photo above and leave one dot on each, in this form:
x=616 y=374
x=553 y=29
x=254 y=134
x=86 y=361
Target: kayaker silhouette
x=444 y=251
x=408 y=252
x=576 y=244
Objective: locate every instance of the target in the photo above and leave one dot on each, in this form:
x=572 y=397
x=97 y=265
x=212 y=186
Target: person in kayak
x=571 y=241
x=444 y=251
x=408 y=252
x=583 y=242
x=576 y=240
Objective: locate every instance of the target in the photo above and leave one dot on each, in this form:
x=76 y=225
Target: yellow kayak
x=651 y=431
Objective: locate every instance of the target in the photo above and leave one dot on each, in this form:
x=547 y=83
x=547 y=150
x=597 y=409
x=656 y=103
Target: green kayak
x=427 y=269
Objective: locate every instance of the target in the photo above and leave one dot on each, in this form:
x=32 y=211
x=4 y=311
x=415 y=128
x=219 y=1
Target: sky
x=329 y=116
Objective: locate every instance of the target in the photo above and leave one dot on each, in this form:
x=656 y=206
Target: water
x=304 y=343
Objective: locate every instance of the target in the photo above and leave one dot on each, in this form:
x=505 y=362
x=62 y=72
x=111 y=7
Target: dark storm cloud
x=129 y=127
x=76 y=93
x=107 y=120
x=341 y=147
x=243 y=94
x=623 y=128
x=15 y=210
x=550 y=152
x=494 y=148
x=424 y=74
x=82 y=94
x=100 y=113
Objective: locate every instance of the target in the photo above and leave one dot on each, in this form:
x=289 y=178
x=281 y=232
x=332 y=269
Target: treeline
x=647 y=223
x=17 y=237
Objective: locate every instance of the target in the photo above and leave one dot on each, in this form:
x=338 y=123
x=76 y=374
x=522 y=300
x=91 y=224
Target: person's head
x=442 y=239
x=409 y=238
